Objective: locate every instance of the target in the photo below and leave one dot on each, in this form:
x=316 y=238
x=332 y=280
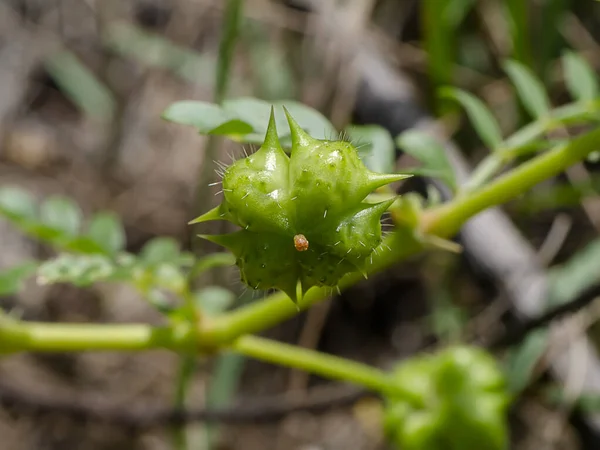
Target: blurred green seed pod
x=303 y=218
x=459 y=403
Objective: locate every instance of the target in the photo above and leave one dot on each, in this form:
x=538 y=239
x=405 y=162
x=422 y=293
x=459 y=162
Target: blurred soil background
x=83 y=84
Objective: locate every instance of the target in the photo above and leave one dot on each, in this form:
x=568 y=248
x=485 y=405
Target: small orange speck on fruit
x=300 y=242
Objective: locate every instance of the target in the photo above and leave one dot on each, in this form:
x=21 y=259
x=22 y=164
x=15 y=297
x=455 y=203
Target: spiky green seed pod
x=303 y=218
x=460 y=402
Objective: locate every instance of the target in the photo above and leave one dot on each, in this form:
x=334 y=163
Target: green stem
x=439 y=43
x=231 y=27
x=518 y=19
x=447 y=219
x=487 y=168
x=322 y=364
x=66 y=337
x=185 y=373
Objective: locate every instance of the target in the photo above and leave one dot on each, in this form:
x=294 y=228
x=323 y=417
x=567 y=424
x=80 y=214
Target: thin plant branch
x=144 y=416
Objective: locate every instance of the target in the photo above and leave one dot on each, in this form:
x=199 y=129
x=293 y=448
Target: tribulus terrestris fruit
x=303 y=218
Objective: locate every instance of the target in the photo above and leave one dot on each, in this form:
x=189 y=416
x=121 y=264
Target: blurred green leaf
x=45 y=233
x=530 y=89
x=58 y=223
x=517 y=19
x=587 y=402
x=446 y=319
x=211 y=261
x=593 y=157
x=15 y=203
x=229 y=36
x=160 y=301
x=430 y=153
x=311 y=120
x=223 y=384
x=62 y=214
x=160 y=250
x=213 y=300
x=439 y=42
x=11 y=280
x=207 y=118
x=375 y=146
x=168 y=276
x=106 y=230
x=549 y=34
x=185 y=375
x=82 y=244
x=81 y=85
x=272 y=72
x=567 y=281
x=580 y=78
x=256 y=112
x=245 y=119
x=434 y=196
x=253 y=111
x=156 y=51
x=522 y=360
x=580 y=272
x=560 y=195
x=482 y=118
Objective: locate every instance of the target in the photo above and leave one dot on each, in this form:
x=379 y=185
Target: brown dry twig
x=143 y=416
